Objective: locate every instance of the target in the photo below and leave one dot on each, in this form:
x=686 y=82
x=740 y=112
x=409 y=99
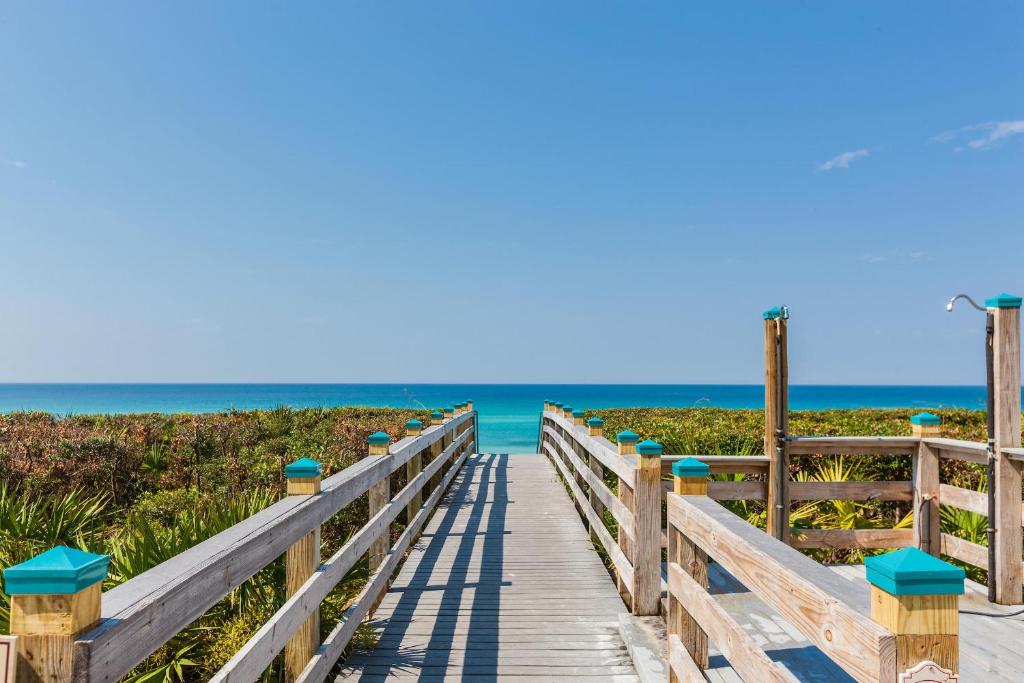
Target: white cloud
x=982 y=135
x=16 y=163
x=843 y=160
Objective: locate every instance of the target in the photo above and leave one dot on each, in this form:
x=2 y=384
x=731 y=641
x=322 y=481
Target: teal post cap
x=577 y=413
x=378 y=438
x=436 y=414
x=775 y=313
x=627 y=436
x=690 y=467
x=909 y=571
x=649 y=447
x=449 y=410
x=58 y=571
x=925 y=419
x=1003 y=300
x=413 y=424
x=302 y=468
x=569 y=408
x=595 y=422
x=557 y=404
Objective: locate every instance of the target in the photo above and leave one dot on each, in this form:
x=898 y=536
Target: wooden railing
x=137 y=617
x=831 y=612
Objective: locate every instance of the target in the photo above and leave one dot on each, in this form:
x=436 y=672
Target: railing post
x=626 y=441
x=380 y=494
x=914 y=595
x=436 y=419
x=54 y=597
x=647 y=523
x=690 y=478
x=567 y=412
x=927 y=536
x=595 y=427
x=776 y=409
x=577 y=417
x=301 y=560
x=413 y=468
x=1005 y=312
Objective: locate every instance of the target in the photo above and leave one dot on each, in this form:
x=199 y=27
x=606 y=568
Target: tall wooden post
x=915 y=596
x=647 y=524
x=595 y=427
x=567 y=412
x=380 y=494
x=1005 y=310
x=413 y=468
x=690 y=478
x=436 y=420
x=776 y=410
x=55 y=596
x=626 y=441
x=927 y=536
x=301 y=560
x=577 y=417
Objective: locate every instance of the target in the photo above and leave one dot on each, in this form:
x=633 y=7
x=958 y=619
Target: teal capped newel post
x=1004 y=311
x=776 y=411
x=413 y=429
x=915 y=596
x=647 y=529
x=55 y=597
x=379 y=495
x=626 y=442
x=301 y=560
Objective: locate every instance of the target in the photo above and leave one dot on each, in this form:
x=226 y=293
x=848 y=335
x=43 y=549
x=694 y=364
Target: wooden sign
x=928 y=672
x=8 y=653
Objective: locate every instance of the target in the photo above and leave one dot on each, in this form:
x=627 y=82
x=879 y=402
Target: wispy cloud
x=843 y=160
x=981 y=135
x=16 y=163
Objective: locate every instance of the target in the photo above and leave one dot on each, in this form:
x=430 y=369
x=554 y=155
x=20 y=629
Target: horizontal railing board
x=852 y=445
x=851 y=538
x=833 y=613
x=599 y=447
x=142 y=614
x=337 y=640
x=723 y=464
x=745 y=656
x=622 y=514
x=621 y=562
x=851 y=490
x=261 y=649
x=1013 y=453
x=965 y=499
x=730 y=490
x=958 y=449
x=965 y=551
x=681 y=663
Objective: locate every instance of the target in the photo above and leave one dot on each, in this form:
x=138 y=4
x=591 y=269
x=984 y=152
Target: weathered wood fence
x=69 y=631
x=832 y=613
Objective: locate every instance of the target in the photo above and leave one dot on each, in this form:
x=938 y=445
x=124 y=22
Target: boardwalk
x=503 y=585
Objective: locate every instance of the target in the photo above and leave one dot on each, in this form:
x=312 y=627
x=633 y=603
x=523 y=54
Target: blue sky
x=527 y=191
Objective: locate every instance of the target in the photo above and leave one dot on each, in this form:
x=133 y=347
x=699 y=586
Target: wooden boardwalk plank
x=504 y=584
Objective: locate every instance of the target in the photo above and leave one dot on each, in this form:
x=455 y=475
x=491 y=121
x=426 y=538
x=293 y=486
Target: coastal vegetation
x=143 y=488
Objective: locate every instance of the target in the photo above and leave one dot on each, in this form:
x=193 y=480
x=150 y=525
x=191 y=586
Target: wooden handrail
x=852 y=445
x=142 y=614
x=599 y=447
x=830 y=611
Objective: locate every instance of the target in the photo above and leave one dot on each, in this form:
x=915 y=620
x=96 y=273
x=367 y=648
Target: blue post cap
x=303 y=468
x=775 y=313
x=690 y=467
x=649 y=447
x=436 y=414
x=595 y=422
x=925 y=419
x=378 y=439
x=626 y=436
x=909 y=571
x=414 y=424
x=577 y=413
x=58 y=571
x=569 y=408
x=1003 y=300
x=557 y=404
x=448 y=411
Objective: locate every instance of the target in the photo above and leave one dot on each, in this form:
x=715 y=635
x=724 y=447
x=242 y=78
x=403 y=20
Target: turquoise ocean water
x=508 y=412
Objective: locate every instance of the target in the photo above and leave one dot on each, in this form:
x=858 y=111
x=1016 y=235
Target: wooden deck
x=504 y=584
x=990 y=648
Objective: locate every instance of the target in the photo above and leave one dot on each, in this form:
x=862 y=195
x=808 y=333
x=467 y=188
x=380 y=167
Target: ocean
x=508 y=412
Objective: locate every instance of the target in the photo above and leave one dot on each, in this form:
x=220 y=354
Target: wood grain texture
x=55 y=615
x=958 y=449
x=852 y=490
x=1006 y=365
x=830 y=612
x=965 y=499
x=647 y=498
x=852 y=538
x=301 y=561
x=926 y=490
x=682 y=668
x=965 y=551
x=745 y=656
x=852 y=445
